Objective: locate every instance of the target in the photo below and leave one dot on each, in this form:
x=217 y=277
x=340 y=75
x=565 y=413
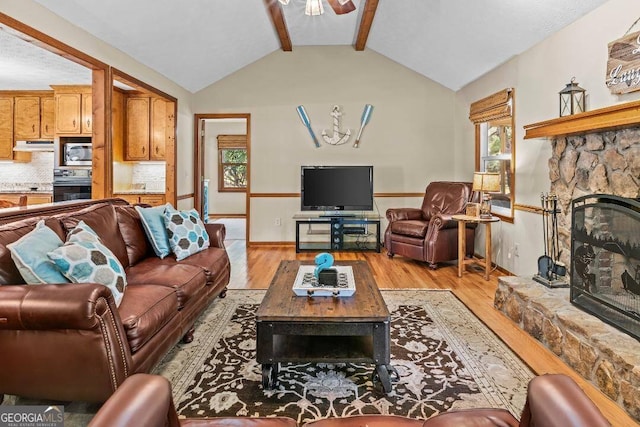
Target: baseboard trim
x=284 y=244
x=216 y=216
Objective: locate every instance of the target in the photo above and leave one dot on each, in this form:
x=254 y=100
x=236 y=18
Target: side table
x=462 y=224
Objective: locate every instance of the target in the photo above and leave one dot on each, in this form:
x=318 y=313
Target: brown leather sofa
x=552 y=401
x=70 y=341
x=429 y=234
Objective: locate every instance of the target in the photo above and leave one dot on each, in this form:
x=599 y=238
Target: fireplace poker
x=544 y=262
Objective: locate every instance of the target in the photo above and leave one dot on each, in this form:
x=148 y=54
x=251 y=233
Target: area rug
x=446 y=359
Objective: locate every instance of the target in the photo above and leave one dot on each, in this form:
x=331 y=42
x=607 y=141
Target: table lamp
x=486 y=182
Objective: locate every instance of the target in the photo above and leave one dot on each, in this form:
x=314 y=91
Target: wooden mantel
x=614 y=117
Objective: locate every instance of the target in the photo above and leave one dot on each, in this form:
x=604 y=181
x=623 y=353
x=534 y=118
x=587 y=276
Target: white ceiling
x=198 y=42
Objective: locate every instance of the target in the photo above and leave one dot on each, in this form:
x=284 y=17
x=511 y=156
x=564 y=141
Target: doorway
x=219 y=138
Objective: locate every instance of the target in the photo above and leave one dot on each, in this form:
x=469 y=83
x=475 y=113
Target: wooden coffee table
x=328 y=329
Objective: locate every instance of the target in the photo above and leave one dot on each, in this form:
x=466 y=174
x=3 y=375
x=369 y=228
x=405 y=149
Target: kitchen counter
x=115 y=193
x=27 y=192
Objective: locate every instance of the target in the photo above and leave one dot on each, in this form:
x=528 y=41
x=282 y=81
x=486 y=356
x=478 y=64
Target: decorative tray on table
x=306 y=284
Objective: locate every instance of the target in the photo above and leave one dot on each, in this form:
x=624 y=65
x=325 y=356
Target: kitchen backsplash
x=150 y=174
x=38 y=172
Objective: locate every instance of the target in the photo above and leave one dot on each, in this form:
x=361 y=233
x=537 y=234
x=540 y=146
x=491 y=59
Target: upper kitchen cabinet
x=136 y=137
x=162 y=127
x=26 y=113
x=47 y=117
x=149 y=128
x=73 y=114
x=6 y=128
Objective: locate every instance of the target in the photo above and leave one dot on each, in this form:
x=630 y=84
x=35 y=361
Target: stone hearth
x=608 y=358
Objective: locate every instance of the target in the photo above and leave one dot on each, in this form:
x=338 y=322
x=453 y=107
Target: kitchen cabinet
x=87 y=113
x=149 y=199
x=159 y=128
x=47 y=117
x=6 y=128
x=149 y=128
x=136 y=137
x=26 y=113
x=32 y=198
x=73 y=110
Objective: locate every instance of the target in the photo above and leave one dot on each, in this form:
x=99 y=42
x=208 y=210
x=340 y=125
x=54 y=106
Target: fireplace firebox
x=605 y=259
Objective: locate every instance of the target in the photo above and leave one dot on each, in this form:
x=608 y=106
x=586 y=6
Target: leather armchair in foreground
x=429 y=233
x=145 y=400
x=552 y=401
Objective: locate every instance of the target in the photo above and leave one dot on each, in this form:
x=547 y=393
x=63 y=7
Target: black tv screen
x=337 y=188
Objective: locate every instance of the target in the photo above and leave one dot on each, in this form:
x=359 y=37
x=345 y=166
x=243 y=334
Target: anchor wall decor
x=338 y=137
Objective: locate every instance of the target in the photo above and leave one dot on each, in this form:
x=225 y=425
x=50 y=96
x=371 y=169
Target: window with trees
x=493 y=117
x=232 y=163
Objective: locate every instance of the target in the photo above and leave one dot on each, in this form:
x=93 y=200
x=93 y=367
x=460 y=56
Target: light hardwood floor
x=253 y=268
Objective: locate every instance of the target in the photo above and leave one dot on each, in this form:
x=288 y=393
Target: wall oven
x=71 y=184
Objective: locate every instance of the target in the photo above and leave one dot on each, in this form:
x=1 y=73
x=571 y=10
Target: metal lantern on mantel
x=572 y=99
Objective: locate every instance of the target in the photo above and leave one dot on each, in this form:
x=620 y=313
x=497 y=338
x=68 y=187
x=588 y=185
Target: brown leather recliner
x=552 y=401
x=145 y=400
x=429 y=234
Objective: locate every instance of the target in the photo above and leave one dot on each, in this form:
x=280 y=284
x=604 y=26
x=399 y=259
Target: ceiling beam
x=368 y=13
x=277 y=19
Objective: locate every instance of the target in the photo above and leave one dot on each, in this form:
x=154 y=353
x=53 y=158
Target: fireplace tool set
x=551 y=271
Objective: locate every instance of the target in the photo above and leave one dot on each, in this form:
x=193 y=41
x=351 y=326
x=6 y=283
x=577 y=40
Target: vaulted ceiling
x=197 y=42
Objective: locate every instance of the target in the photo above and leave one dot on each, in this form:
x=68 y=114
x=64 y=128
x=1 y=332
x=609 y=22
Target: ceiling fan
x=314 y=7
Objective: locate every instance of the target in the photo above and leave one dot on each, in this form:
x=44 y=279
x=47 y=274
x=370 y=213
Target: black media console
x=337 y=233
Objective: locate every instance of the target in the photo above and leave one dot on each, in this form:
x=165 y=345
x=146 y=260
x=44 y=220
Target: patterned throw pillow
x=89 y=261
x=153 y=224
x=29 y=253
x=186 y=232
x=83 y=233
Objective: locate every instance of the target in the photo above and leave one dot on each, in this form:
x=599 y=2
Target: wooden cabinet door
x=47 y=117
x=87 y=114
x=26 y=113
x=152 y=199
x=6 y=128
x=130 y=198
x=37 y=199
x=137 y=129
x=159 y=128
x=68 y=113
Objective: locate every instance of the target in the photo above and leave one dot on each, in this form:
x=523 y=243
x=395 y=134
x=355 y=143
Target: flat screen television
x=336 y=188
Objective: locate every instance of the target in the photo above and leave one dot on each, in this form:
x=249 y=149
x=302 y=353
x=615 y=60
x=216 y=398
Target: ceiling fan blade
x=341 y=8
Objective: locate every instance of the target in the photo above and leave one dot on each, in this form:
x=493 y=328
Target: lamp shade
x=486 y=182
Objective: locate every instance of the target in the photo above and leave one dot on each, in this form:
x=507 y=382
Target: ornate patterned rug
x=446 y=359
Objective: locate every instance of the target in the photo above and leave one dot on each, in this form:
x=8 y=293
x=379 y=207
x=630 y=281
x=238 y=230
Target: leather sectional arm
x=52 y=335
x=64 y=306
x=401 y=214
x=142 y=400
x=216 y=233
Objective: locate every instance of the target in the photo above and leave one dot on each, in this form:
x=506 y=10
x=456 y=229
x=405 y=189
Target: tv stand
x=338 y=215
x=351 y=232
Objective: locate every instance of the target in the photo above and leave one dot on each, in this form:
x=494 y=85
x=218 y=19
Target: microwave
x=76 y=154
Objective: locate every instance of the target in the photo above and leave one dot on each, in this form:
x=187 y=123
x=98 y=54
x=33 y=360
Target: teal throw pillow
x=153 y=224
x=29 y=253
x=186 y=232
x=91 y=262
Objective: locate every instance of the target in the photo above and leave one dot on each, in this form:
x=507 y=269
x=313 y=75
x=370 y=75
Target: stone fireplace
x=594 y=154
x=594 y=163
